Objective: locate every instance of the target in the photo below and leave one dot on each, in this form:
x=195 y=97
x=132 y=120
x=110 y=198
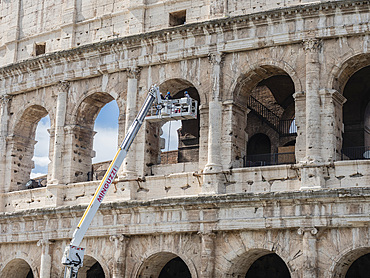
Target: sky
x=105 y=140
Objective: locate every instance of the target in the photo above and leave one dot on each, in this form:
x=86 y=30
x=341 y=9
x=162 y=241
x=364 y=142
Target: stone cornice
x=118 y=45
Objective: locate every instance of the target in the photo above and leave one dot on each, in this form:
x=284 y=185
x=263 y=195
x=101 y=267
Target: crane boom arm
x=73 y=254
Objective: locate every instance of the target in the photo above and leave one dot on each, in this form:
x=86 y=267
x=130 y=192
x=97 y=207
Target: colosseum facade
x=270 y=180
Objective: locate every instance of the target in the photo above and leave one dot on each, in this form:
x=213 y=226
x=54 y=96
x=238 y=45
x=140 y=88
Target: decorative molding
x=64 y=86
x=312 y=45
x=216 y=58
x=134 y=72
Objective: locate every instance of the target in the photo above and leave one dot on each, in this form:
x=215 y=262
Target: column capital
x=312 y=45
x=63 y=86
x=216 y=58
x=307 y=230
x=44 y=242
x=5 y=99
x=134 y=72
x=118 y=238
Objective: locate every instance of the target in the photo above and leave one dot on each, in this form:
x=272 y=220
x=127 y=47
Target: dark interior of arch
x=282 y=88
x=188 y=134
x=175 y=268
x=259 y=144
x=357 y=93
x=30 y=274
x=95 y=271
x=360 y=268
x=271 y=266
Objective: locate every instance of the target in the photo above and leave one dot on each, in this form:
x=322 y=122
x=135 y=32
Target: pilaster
x=119 y=263
x=129 y=164
x=45 y=267
x=4 y=118
x=57 y=173
x=207 y=264
x=213 y=179
x=310 y=252
x=312 y=48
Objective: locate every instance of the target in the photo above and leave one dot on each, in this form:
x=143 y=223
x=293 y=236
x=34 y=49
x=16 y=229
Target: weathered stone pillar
x=45 y=268
x=313 y=108
x=213 y=183
x=234 y=135
x=119 y=263
x=4 y=118
x=300 y=122
x=57 y=173
x=332 y=124
x=309 y=245
x=207 y=263
x=129 y=164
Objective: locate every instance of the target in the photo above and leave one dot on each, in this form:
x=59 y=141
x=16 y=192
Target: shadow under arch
x=22 y=145
x=258 y=263
x=347 y=261
x=82 y=134
x=163 y=264
x=17 y=268
x=91 y=269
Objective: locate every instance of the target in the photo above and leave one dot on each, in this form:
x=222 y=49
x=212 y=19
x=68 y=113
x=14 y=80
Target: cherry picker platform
x=184 y=108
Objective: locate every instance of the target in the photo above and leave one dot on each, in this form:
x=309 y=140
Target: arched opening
x=82 y=136
x=105 y=140
x=360 y=268
x=91 y=269
x=186 y=131
x=266 y=93
x=17 y=268
x=175 y=268
x=164 y=265
x=270 y=265
x=40 y=157
x=356 y=116
x=258 y=150
x=22 y=145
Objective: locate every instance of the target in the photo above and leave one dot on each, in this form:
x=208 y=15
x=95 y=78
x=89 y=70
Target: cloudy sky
x=105 y=141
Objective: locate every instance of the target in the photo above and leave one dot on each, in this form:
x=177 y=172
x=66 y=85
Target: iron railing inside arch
x=356 y=153
x=268 y=159
x=283 y=127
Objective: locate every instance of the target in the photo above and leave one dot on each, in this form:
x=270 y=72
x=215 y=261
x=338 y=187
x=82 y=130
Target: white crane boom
x=73 y=254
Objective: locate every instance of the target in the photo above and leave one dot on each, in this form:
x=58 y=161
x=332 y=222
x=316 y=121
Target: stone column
x=309 y=245
x=313 y=108
x=207 y=263
x=300 y=122
x=213 y=183
x=45 y=268
x=119 y=256
x=129 y=164
x=331 y=124
x=57 y=173
x=4 y=118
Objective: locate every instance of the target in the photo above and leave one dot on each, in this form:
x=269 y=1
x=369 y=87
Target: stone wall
x=207 y=211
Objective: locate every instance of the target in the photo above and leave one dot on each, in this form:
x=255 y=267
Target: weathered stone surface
x=68 y=59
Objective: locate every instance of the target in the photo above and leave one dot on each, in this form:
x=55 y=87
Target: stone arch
x=21 y=145
x=251 y=75
x=17 y=268
x=265 y=95
x=81 y=134
x=92 y=268
x=152 y=265
x=343 y=70
x=188 y=134
x=243 y=263
x=341 y=266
